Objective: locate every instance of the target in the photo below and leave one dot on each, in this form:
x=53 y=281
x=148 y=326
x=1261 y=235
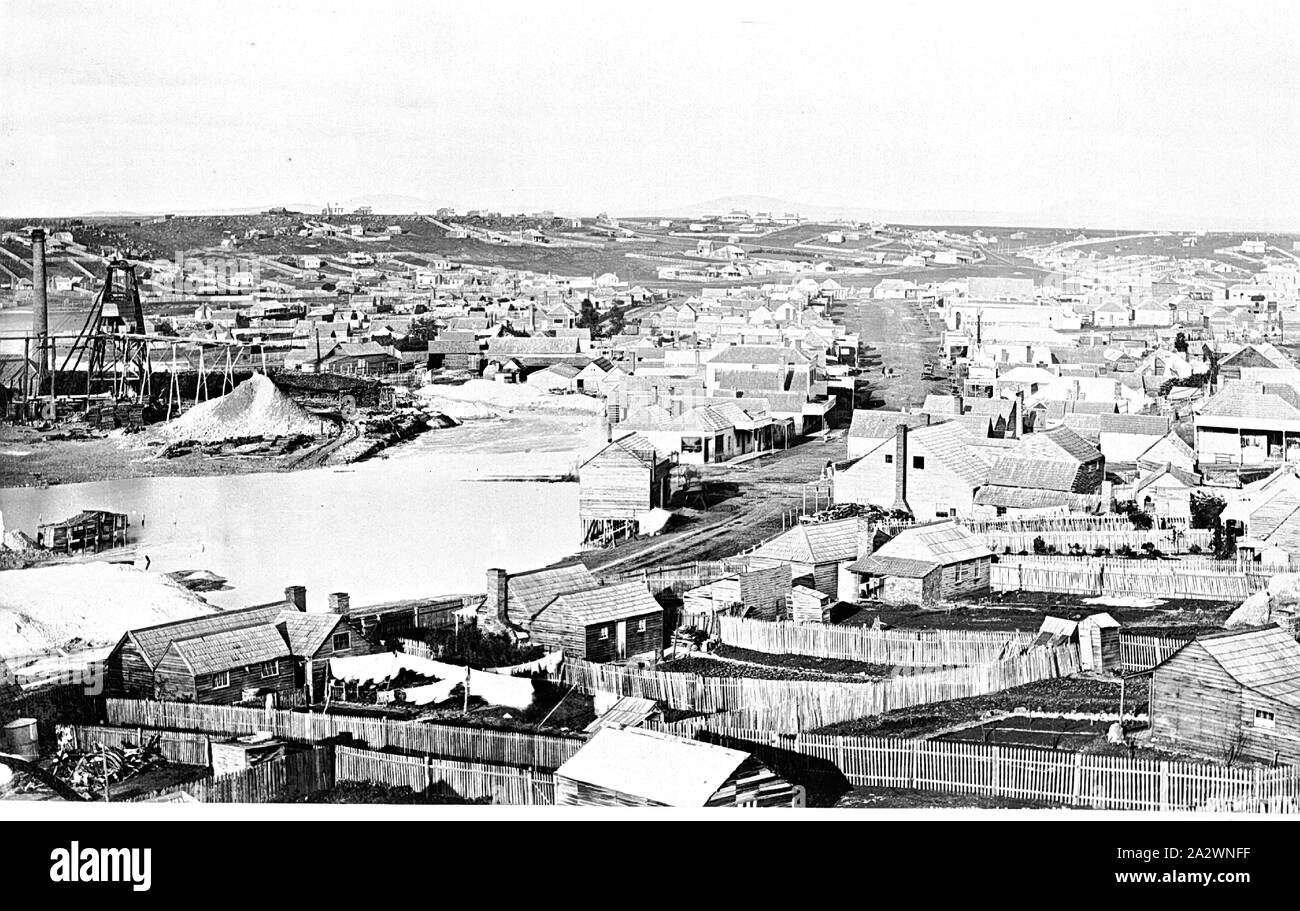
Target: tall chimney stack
x=295 y=597
x=498 y=594
x=900 y=468
x=340 y=603
x=40 y=303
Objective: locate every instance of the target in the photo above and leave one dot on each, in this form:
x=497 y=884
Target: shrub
x=1142 y=521
x=1195 y=549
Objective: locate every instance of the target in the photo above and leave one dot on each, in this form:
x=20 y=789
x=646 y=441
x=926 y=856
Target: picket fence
x=1068 y=523
x=1167 y=540
x=1085 y=577
x=1058 y=777
x=544 y=751
x=796 y=705
x=1141 y=653
x=274 y=781
x=175 y=746
x=470 y=780
x=907 y=648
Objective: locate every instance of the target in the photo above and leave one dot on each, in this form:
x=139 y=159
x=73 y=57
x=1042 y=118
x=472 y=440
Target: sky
x=1181 y=114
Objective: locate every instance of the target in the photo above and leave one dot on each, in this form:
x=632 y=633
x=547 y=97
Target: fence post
x=996 y=754
x=912 y=760
x=1076 y=786
x=1164 y=784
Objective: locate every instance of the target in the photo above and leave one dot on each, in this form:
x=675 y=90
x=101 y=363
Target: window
x=1265 y=719
x=918 y=461
x=220 y=680
x=640 y=626
x=940 y=513
x=889 y=458
x=604 y=632
x=270 y=668
x=342 y=641
x=959 y=573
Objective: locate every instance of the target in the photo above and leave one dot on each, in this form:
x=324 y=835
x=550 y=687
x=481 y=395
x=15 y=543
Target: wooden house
x=927 y=563
x=1099 y=643
x=633 y=767
x=226 y=667
x=89 y=530
x=313 y=639
x=609 y=623
x=513 y=600
x=816 y=550
x=1231 y=695
x=625 y=479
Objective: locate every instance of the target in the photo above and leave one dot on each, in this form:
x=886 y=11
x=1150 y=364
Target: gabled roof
x=532 y=591
x=306 y=632
x=531 y=347
x=759 y=354
x=604 y=604
x=1240 y=400
x=813 y=543
x=882 y=425
x=661 y=768
x=940 y=544
x=231 y=648
x=153 y=641
x=1264 y=660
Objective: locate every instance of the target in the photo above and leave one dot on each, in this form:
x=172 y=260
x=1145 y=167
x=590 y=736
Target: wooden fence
x=175 y=746
x=275 y=781
x=678 y=578
x=1085 y=577
x=1141 y=653
x=1026 y=773
x=1166 y=540
x=516 y=748
x=470 y=780
x=1068 y=523
x=795 y=705
x=908 y=648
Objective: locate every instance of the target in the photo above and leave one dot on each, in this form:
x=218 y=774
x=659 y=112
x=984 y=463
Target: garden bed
x=1029 y=731
x=804 y=662
x=1059 y=695
x=714 y=667
x=869 y=798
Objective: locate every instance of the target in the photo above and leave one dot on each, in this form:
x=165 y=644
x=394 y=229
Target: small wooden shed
x=634 y=767
x=1099 y=643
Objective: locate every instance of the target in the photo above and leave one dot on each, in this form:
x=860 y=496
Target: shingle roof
x=1145 y=424
x=606 y=603
x=1264 y=660
x=512 y=347
x=881 y=425
x=942 y=543
x=814 y=542
x=1246 y=400
x=530 y=592
x=1034 y=498
x=950 y=444
x=154 y=640
x=307 y=632
x=759 y=354
x=232 y=648
x=901 y=567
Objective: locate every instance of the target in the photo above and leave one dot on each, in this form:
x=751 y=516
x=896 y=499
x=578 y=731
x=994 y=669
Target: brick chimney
x=498 y=593
x=340 y=603
x=900 y=468
x=295 y=596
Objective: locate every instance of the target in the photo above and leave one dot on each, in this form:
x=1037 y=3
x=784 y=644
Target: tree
x=1180 y=343
x=615 y=320
x=588 y=317
x=1142 y=521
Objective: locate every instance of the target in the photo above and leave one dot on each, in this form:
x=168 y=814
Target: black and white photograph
x=579 y=412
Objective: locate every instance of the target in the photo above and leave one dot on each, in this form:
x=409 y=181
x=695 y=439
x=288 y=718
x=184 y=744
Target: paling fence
x=1069 y=523
x=1025 y=773
x=1086 y=577
x=274 y=781
x=795 y=705
x=175 y=746
x=470 y=780
x=909 y=648
x=1141 y=653
x=543 y=751
x=678 y=578
x=1166 y=540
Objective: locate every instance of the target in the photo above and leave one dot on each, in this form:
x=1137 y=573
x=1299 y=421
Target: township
x=877 y=515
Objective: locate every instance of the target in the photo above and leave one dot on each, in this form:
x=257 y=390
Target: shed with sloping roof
x=1231 y=695
x=633 y=767
x=226 y=666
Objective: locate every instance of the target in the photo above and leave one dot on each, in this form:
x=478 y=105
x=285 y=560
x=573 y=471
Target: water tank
x=19 y=739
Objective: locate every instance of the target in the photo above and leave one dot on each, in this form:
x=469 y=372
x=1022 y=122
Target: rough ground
x=902 y=798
